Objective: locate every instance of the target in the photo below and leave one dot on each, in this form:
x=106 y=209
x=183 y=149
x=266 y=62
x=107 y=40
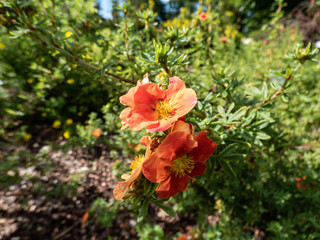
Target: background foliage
x=63 y=69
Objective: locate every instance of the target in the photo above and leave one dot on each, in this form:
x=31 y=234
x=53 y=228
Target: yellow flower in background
x=228 y=30
x=66 y=134
x=69 y=121
x=44 y=114
x=70 y=81
x=119 y=68
x=74 y=65
x=30 y=80
x=79 y=114
x=199 y=10
x=151 y=4
x=56 y=124
x=87 y=56
x=229 y=13
x=68 y=34
x=27 y=137
x=234 y=33
x=2 y=46
x=183 y=12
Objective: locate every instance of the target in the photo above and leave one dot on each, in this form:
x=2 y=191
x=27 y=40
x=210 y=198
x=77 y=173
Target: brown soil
x=34 y=208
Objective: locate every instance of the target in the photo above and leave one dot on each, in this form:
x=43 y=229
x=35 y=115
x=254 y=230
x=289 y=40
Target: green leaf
x=221 y=110
x=229 y=149
x=243 y=143
x=285 y=97
x=165 y=208
x=209 y=168
x=264 y=91
x=181 y=58
x=262 y=136
x=288 y=72
x=308 y=48
x=143 y=210
x=227 y=168
x=25 y=3
x=238 y=114
x=275 y=85
x=224 y=94
x=145 y=57
x=256 y=91
x=234 y=156
x=249 y=118
x=170 y=51
x=230 y=108
x=178 y=59
x=208 y=98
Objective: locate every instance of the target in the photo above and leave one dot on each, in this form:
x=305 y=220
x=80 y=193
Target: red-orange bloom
x=96 y=132
x=136 y=167
x=84 y=218
x=203 y=16
x=155 y=109
x=182 y=237
x=178 y=159
x=223 y=39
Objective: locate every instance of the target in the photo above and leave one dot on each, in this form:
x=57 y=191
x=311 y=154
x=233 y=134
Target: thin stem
x=80 y=61
x=280 y=90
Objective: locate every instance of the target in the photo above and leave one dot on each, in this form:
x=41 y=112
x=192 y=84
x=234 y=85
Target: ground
x=44 y=204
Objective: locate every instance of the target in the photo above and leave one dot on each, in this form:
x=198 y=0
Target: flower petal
x=175 y=85
x=184 y=101
x=127 y=99
x=182 y=126
x=137 y=121
x=171 y=186
x=123 y=186
x=205 y=147
x=145 y=140
x=163 y=124
x=199 y=169
x=149 y=94
x=176 y=145
x=124 y=116
x=146 y=111
x=156 y=169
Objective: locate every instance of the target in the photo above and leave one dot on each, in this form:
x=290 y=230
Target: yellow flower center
x=136 y=162
x=182 y=166
x=163 y=109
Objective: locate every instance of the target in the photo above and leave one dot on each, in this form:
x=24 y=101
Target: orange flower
x=203 y=16
x=182 y=237
x=84 y=218
x=136 y=167
x=96 y=132
x=292 y=30
x=178 y=159
x=155 y=109
x=299 y=183
x=223 y=39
